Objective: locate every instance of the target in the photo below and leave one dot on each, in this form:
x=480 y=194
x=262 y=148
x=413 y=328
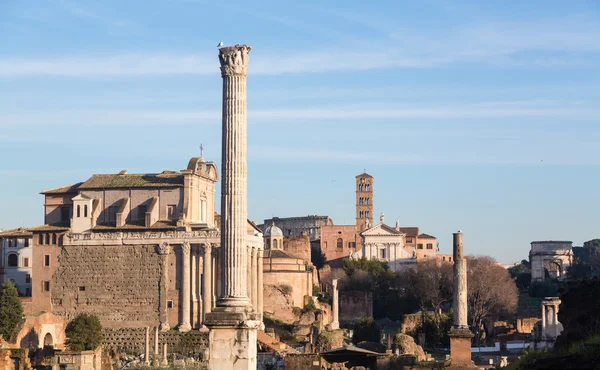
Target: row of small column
x=255 y=277
x=198 y=295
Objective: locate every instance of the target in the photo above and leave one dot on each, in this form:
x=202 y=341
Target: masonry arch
x=48 y=340
x=12 y=260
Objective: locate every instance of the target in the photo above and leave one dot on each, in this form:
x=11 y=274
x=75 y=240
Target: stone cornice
x=142 y=237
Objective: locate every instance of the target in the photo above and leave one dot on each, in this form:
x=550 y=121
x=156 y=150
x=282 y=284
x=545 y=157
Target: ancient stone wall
x=132 y=341
x=297 y=246
x=117 y=283
x=354 y=305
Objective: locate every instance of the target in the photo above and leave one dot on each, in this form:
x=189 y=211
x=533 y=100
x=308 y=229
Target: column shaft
x=163 y=250
x=460 y=284
x=207 y=283
x=184 y=322
x=233 y=190
x=335 y=324
x=254 y=268
x=259 y=280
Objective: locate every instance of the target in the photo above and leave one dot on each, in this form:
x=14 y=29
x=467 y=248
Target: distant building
x=16 y=263
x=387 y=244
x=342 y=241
x=550 y=259
x=296 y=226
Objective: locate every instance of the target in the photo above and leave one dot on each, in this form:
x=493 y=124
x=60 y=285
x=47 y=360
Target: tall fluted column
x=460 y=335
x=335 y=323
x=234 y=68
x=460 y=284
x=254 y=267
x=185 y=288
x=259 y=283
x=249 y=275
x=207 y=281
x=163 y=250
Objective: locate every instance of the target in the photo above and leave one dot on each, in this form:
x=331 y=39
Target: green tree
x=11 y=310
x=366 y=330
x=84 y=333
x=317 y=257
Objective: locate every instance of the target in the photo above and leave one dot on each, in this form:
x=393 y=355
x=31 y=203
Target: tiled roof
x=47 y=227
x=426 y=236
x=150 y=180
x=410 y=231
x=277 y=253
x=73 y=188
x=364 y=174
x=16 y=232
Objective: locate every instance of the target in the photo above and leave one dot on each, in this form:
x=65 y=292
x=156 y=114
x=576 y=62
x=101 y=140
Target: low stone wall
x=526 y=325
x=133 y=341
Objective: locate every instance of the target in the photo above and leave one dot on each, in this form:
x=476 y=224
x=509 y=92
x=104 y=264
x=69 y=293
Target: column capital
x=207 y=248
x=164 y=248
x=186 y=247
x=234 y=60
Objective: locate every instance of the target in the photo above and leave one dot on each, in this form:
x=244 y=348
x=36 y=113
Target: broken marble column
x=185 y=325
x=551 y=328
x=165 y=361
x=233 y=322
x=460 y=335
x=147 y=347
x=156 y=341
x=335 y=323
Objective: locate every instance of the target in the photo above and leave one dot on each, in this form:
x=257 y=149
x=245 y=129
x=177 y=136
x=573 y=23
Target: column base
x=232 y=338
x=334 y=325
x=164 y=326
x=233 y=302
x=184 y=328
x=460 y=349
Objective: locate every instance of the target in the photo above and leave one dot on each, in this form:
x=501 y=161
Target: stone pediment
x=381 y=230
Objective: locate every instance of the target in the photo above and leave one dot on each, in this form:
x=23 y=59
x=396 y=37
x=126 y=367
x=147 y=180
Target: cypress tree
x=11 y=310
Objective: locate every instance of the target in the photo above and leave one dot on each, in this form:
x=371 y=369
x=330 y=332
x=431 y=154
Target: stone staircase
x=273 y=344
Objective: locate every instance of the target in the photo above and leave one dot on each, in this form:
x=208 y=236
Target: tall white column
x=335 y=324
x=544 y=323
x=207 y=281
x=184 y=322
x=147 y=347
x=460 y=284
x=233 y=323
x=234 y=206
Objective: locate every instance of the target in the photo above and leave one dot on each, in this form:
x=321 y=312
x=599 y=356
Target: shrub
x=366 y=329
x=84 y=333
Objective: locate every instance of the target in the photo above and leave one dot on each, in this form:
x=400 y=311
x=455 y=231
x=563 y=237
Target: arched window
x=53 y=238
x=78 y=210
x=340 y=243
x=12 y=260
x=268 y=244
x=47 y=238
x=274 y=243
x=41 y=239
x=367 y=214
x=85 y=212
x=367 y=201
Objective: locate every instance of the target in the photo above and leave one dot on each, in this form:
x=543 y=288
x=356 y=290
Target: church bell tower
x=364 y=202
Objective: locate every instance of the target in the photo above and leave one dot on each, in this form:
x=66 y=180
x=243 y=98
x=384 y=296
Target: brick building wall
x=330 y=246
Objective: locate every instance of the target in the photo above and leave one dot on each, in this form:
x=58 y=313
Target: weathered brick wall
x=297 y=246
x=133 y=340
x=355 y=304
x=117 y=283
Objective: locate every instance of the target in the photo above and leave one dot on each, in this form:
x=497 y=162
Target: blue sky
x=480 y=116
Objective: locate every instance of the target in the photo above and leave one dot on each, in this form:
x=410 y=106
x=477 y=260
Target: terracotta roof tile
x=410 y=231
x=150 y=180
x=73 y=188
x=16 y=232
x=47 y=227
x=426 y=236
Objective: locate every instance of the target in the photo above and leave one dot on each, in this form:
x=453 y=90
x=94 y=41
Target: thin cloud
x=334 y=113
x=565 y=42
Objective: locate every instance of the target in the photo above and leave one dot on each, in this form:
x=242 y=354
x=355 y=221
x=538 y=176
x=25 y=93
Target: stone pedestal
x=460 y=349
x=232 y=338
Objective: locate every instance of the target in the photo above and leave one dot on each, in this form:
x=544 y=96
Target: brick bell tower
x=364 y=202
